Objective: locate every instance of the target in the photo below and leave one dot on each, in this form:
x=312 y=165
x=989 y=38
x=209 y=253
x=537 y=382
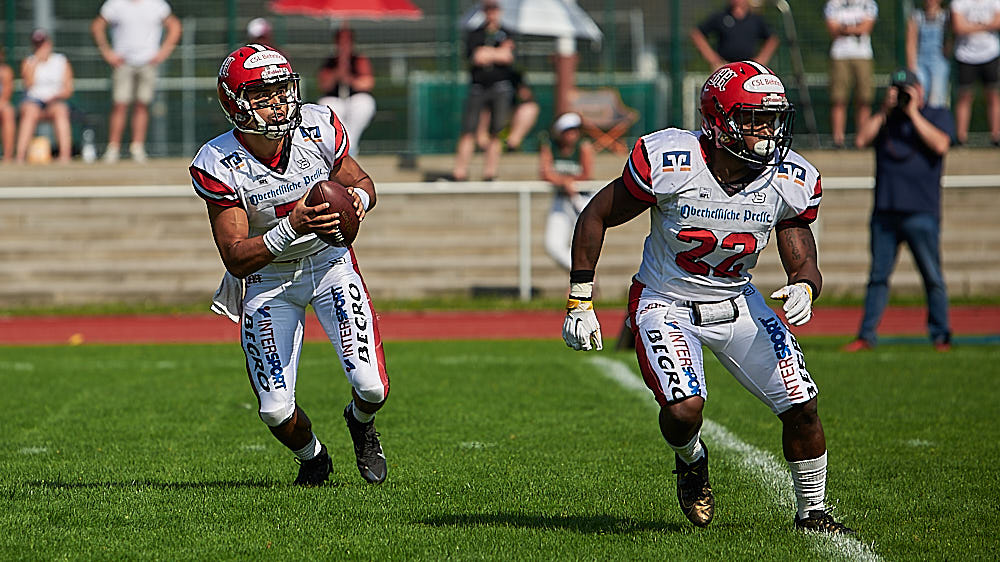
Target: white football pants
x=274 y=324
x=756 y=348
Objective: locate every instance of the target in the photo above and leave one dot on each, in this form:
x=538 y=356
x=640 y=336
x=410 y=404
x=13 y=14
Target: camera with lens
x=902 y=98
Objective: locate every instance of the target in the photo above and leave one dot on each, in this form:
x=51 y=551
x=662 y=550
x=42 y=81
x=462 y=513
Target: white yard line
x=772 y=473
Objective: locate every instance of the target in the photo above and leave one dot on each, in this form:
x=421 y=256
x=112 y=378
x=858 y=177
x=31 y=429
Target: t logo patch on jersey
x=677 y=161
x=794 y=172
x=705 y=193
x=311 y=134
x=758 y=197
x=234 y=161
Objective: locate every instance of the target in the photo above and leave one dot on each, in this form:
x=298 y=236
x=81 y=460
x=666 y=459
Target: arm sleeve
x=871 y=10
x=764 y=30
x=637 y=174
x=709 y=25
x=943 y=120
x=108 y=12
x=334 y=144
x=830 y=12
x=473 y=40
x=803 y=212
x=211 y=189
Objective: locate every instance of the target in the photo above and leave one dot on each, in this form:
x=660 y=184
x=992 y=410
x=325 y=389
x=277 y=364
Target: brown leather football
x=340 y=202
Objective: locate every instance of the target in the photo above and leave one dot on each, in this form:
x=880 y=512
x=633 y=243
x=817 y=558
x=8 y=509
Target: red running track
x=437 y=325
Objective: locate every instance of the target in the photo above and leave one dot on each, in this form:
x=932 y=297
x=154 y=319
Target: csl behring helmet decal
x=264 y=58
x=721 y=78
x=764 y=84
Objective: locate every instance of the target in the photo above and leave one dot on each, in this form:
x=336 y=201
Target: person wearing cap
x=134 y=53
x=48 y=84
x=259 y=31
x=490 y=51
x=910 y=140
x=565 y=159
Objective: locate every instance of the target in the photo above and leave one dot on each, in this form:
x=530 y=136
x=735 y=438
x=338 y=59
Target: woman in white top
x=48 y=83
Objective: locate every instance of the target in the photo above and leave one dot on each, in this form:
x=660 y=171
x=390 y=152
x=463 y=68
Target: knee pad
x=274 y=418
x=374 y=394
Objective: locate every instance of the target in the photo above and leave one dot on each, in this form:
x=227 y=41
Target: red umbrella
x=349 y=9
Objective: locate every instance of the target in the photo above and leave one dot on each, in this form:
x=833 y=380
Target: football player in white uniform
x=714 y=198
x=254 y=180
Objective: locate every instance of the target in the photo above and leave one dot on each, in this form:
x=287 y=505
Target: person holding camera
x=910 y=140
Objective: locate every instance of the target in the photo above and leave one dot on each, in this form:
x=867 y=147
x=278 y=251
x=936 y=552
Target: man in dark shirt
x=490 y=50
x=910 y=142
x=738 y=31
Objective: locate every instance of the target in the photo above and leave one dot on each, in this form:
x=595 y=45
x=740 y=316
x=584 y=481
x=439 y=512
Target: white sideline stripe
x=185 y=190
x=777 y=482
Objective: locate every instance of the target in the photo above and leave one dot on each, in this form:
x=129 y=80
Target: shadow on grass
x=152 y=484
x=586 y=524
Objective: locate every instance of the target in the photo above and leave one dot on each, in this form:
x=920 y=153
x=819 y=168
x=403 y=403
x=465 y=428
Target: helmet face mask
x=744 y=102
x=259 y=93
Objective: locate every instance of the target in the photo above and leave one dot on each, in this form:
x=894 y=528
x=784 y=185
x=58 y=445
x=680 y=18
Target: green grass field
x=497 y=450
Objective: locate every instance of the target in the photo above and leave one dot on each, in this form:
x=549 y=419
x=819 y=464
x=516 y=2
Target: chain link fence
x=644 y=41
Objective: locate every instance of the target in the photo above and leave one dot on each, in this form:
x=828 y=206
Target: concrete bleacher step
x=70 y=251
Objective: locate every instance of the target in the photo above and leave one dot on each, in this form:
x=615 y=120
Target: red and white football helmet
x=746 y=98
x=253 y=66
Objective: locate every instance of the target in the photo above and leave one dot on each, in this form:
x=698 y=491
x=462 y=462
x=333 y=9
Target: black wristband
x=815 y=289
x=581 y=276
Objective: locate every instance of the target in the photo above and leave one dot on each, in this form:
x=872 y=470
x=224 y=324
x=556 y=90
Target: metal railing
x=523 y=190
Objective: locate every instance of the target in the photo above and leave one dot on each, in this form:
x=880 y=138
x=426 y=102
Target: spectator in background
x=738 y=32
x=135 y=51
x=490 y=50
x=977 y=50
x=346 y=80
x=911 y=139
x=522 y=119
x=259 y=31
x=48 y=84
x=850 y=23
x=565 y=158
x=925 y=38
x=7 y=121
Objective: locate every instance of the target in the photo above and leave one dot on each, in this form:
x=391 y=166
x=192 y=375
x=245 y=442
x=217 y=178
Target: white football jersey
x=702 y=242
x=225 y=173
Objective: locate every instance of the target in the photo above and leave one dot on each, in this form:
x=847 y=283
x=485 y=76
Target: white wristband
x=280 y=237
x=365 y=198
x=585 y=290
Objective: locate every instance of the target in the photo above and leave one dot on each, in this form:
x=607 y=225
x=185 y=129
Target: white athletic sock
x=809 y=480
x=309 y=451
x=692 y=452
x=359 y=415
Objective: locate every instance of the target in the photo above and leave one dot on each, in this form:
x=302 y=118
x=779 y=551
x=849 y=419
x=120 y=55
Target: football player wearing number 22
x=254 y=180
x=715 y=196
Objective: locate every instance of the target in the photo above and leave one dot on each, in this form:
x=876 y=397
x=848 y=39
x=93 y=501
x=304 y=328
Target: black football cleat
x=822 y=522
x=693 y=490
x=367 y=449
x=315 y=471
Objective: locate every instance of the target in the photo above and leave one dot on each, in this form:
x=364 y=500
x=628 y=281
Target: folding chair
x=605 y=117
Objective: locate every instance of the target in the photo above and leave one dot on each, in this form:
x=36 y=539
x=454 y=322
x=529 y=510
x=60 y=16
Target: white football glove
x=798 y=302
x=581 y=330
